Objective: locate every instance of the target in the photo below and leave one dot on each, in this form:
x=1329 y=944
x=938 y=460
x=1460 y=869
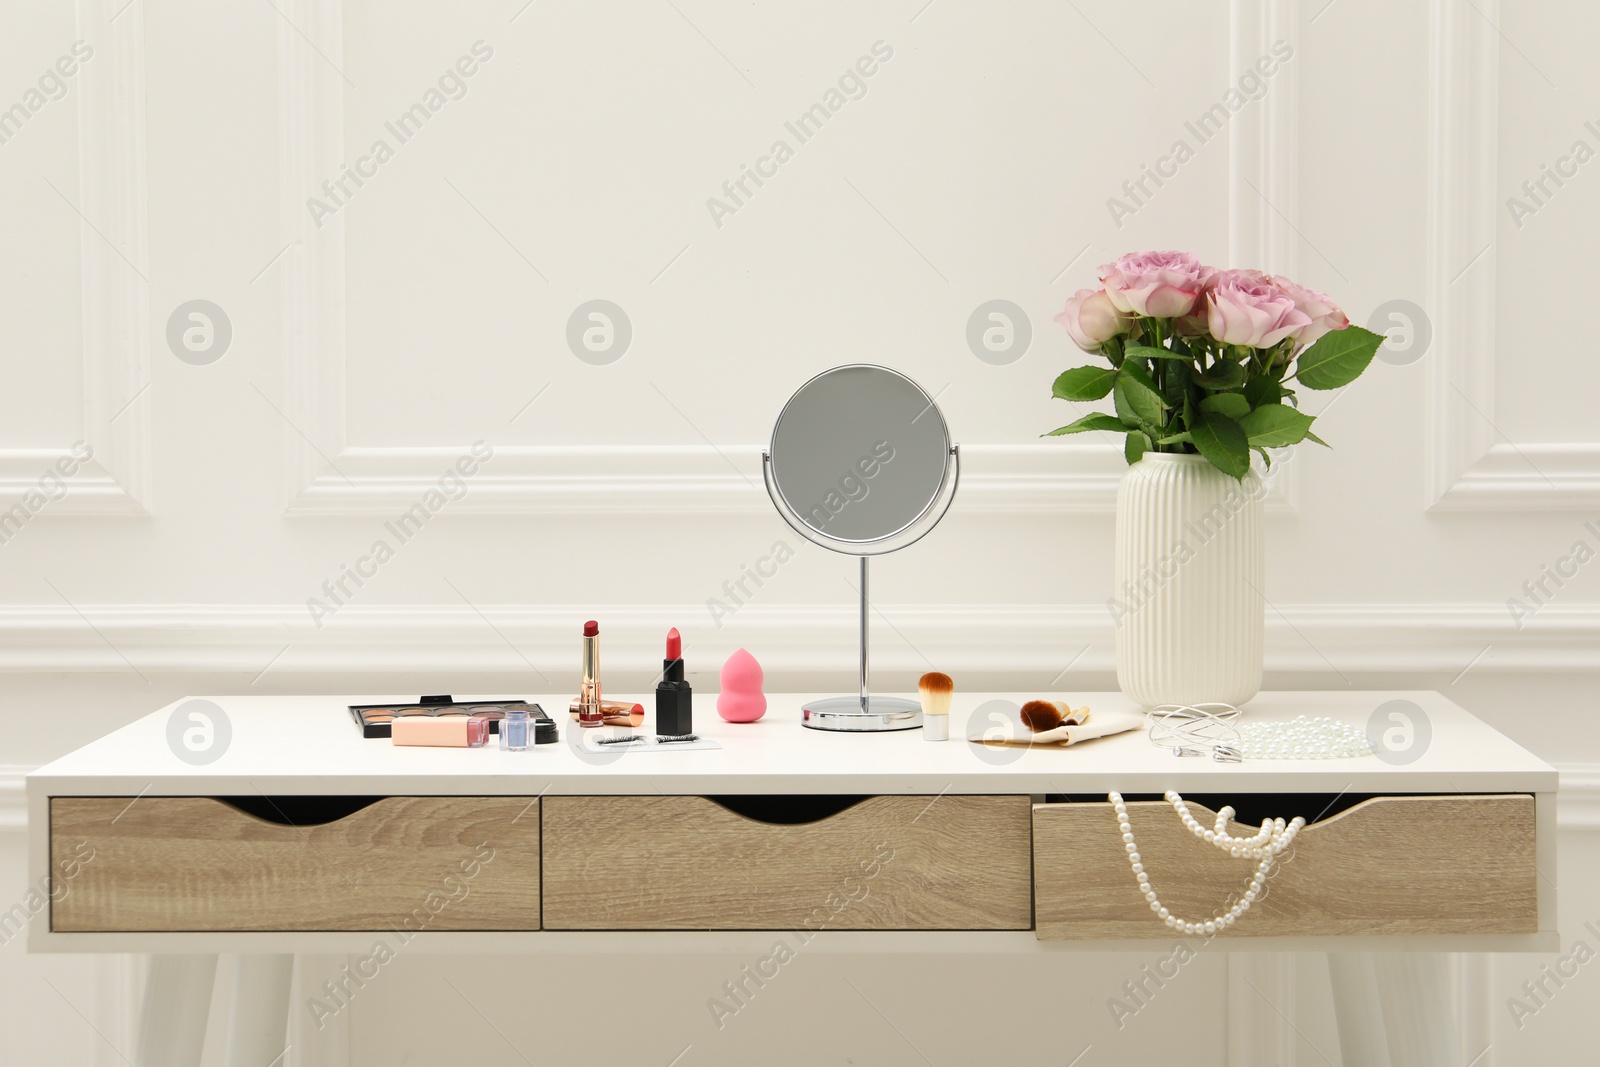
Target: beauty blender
x=741 y=699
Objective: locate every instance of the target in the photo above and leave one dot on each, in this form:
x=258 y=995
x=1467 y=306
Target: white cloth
x=1013 y=732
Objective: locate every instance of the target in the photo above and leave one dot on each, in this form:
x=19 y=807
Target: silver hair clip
x=1208 y=729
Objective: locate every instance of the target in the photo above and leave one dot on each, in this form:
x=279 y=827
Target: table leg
x=1358 y=1009
x=259 y=1021
x=1417 y=1010
x=1394 y=1008
x=177 y=1001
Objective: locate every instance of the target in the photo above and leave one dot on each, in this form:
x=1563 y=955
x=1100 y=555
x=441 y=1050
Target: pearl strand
x=1264 y=847
x=1303 y=738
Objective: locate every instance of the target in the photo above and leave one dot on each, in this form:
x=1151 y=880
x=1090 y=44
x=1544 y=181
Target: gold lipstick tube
x=589 y=710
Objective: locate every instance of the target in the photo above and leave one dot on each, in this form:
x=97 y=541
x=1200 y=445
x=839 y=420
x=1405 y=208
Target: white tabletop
x=310 y=745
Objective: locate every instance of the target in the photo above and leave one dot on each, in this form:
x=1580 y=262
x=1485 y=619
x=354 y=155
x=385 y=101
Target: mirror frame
x=910 y=533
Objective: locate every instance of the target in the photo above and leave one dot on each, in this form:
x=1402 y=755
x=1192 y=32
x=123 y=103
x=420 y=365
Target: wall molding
x=13 y=798
x=1469 y=466
x=326 y=474
x=115 y=294
x=1029 y=641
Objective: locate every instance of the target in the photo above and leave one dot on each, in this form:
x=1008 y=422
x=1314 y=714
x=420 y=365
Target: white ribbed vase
x=1190 y=577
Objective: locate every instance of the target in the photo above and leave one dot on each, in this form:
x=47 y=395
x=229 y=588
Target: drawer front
x=1390 y=865
x=689 y=863
x=194 y=863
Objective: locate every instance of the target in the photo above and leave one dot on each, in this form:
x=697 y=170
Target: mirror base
x=845 y=714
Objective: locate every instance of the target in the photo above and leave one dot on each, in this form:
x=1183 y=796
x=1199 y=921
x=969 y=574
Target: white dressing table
x=856 y=842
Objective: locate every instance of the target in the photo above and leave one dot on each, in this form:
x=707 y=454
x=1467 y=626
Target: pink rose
x=1091 y=320
x=1162 y=285
x=1245 y=307
x=1324 y=314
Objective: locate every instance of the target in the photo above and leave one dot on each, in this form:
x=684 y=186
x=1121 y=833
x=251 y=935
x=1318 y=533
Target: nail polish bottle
x=516 y=731
x=674 y=697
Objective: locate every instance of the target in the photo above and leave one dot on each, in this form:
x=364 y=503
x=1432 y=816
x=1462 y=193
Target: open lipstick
x=674 y=698
x=615 y=712
x=590 y=712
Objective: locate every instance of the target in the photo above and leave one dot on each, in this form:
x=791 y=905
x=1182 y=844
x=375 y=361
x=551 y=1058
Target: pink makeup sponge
x=741 y=699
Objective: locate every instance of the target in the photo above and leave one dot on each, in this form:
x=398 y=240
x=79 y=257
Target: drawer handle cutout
x=1249 y=808
x=784 y=809
x=299 y=810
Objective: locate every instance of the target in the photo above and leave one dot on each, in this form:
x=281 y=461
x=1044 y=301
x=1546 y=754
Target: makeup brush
x=1042 y=715
x=934 y=690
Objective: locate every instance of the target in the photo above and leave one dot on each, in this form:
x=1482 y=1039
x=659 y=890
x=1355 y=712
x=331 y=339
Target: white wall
x=425 y=315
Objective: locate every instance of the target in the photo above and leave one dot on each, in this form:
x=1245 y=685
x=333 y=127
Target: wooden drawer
x=397 y=863
x=1388 y=865
x=692 y=863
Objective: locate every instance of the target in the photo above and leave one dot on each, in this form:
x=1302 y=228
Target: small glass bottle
x=516 y=731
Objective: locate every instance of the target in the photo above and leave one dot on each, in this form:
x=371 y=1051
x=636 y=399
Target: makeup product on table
x=1042 y=715
x=589 y=712
x=615 y=712
x=674 y=697
x=545 y=730
x=934 y=689
x=618 y=744
x=741 y=699
x=1074 y=727
x=516 y=731
x=375 y=719
x=442 y=731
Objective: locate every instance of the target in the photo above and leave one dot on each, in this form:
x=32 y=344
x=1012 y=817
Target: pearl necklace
x=1265 y=847
x=1303 y=738
x=1215 y=729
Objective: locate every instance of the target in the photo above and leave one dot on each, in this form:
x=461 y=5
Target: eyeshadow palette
x=375 y=719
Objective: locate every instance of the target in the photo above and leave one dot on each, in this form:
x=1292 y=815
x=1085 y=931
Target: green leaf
x=1175 y=382
x=1337 y=358
x=1139 y=374
x=1275 y=426
x=1149 y=352
x=1313 y=437
x=1265 y=458
x=1224 y=375
x=1262 y=391
x=1176 y=439
x=1222 y=441
x=1233 y=405
x=1133 y=398
x=1137 y=445
x=1094 y=421
x=1084 y=383
x=1129 y=418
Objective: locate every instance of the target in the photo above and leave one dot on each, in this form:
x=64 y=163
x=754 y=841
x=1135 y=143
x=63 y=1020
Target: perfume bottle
x=516 y=731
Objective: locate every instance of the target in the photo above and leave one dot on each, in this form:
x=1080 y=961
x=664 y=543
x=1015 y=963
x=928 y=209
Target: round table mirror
x=861 y=462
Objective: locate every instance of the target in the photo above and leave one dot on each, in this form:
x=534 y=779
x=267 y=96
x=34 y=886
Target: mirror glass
x=859 y=454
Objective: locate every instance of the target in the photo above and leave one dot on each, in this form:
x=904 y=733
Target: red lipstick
x=674 y=698
x=589 y=712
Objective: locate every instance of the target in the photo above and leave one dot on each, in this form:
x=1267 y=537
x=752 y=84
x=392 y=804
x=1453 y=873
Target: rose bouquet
x=1202 y=360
